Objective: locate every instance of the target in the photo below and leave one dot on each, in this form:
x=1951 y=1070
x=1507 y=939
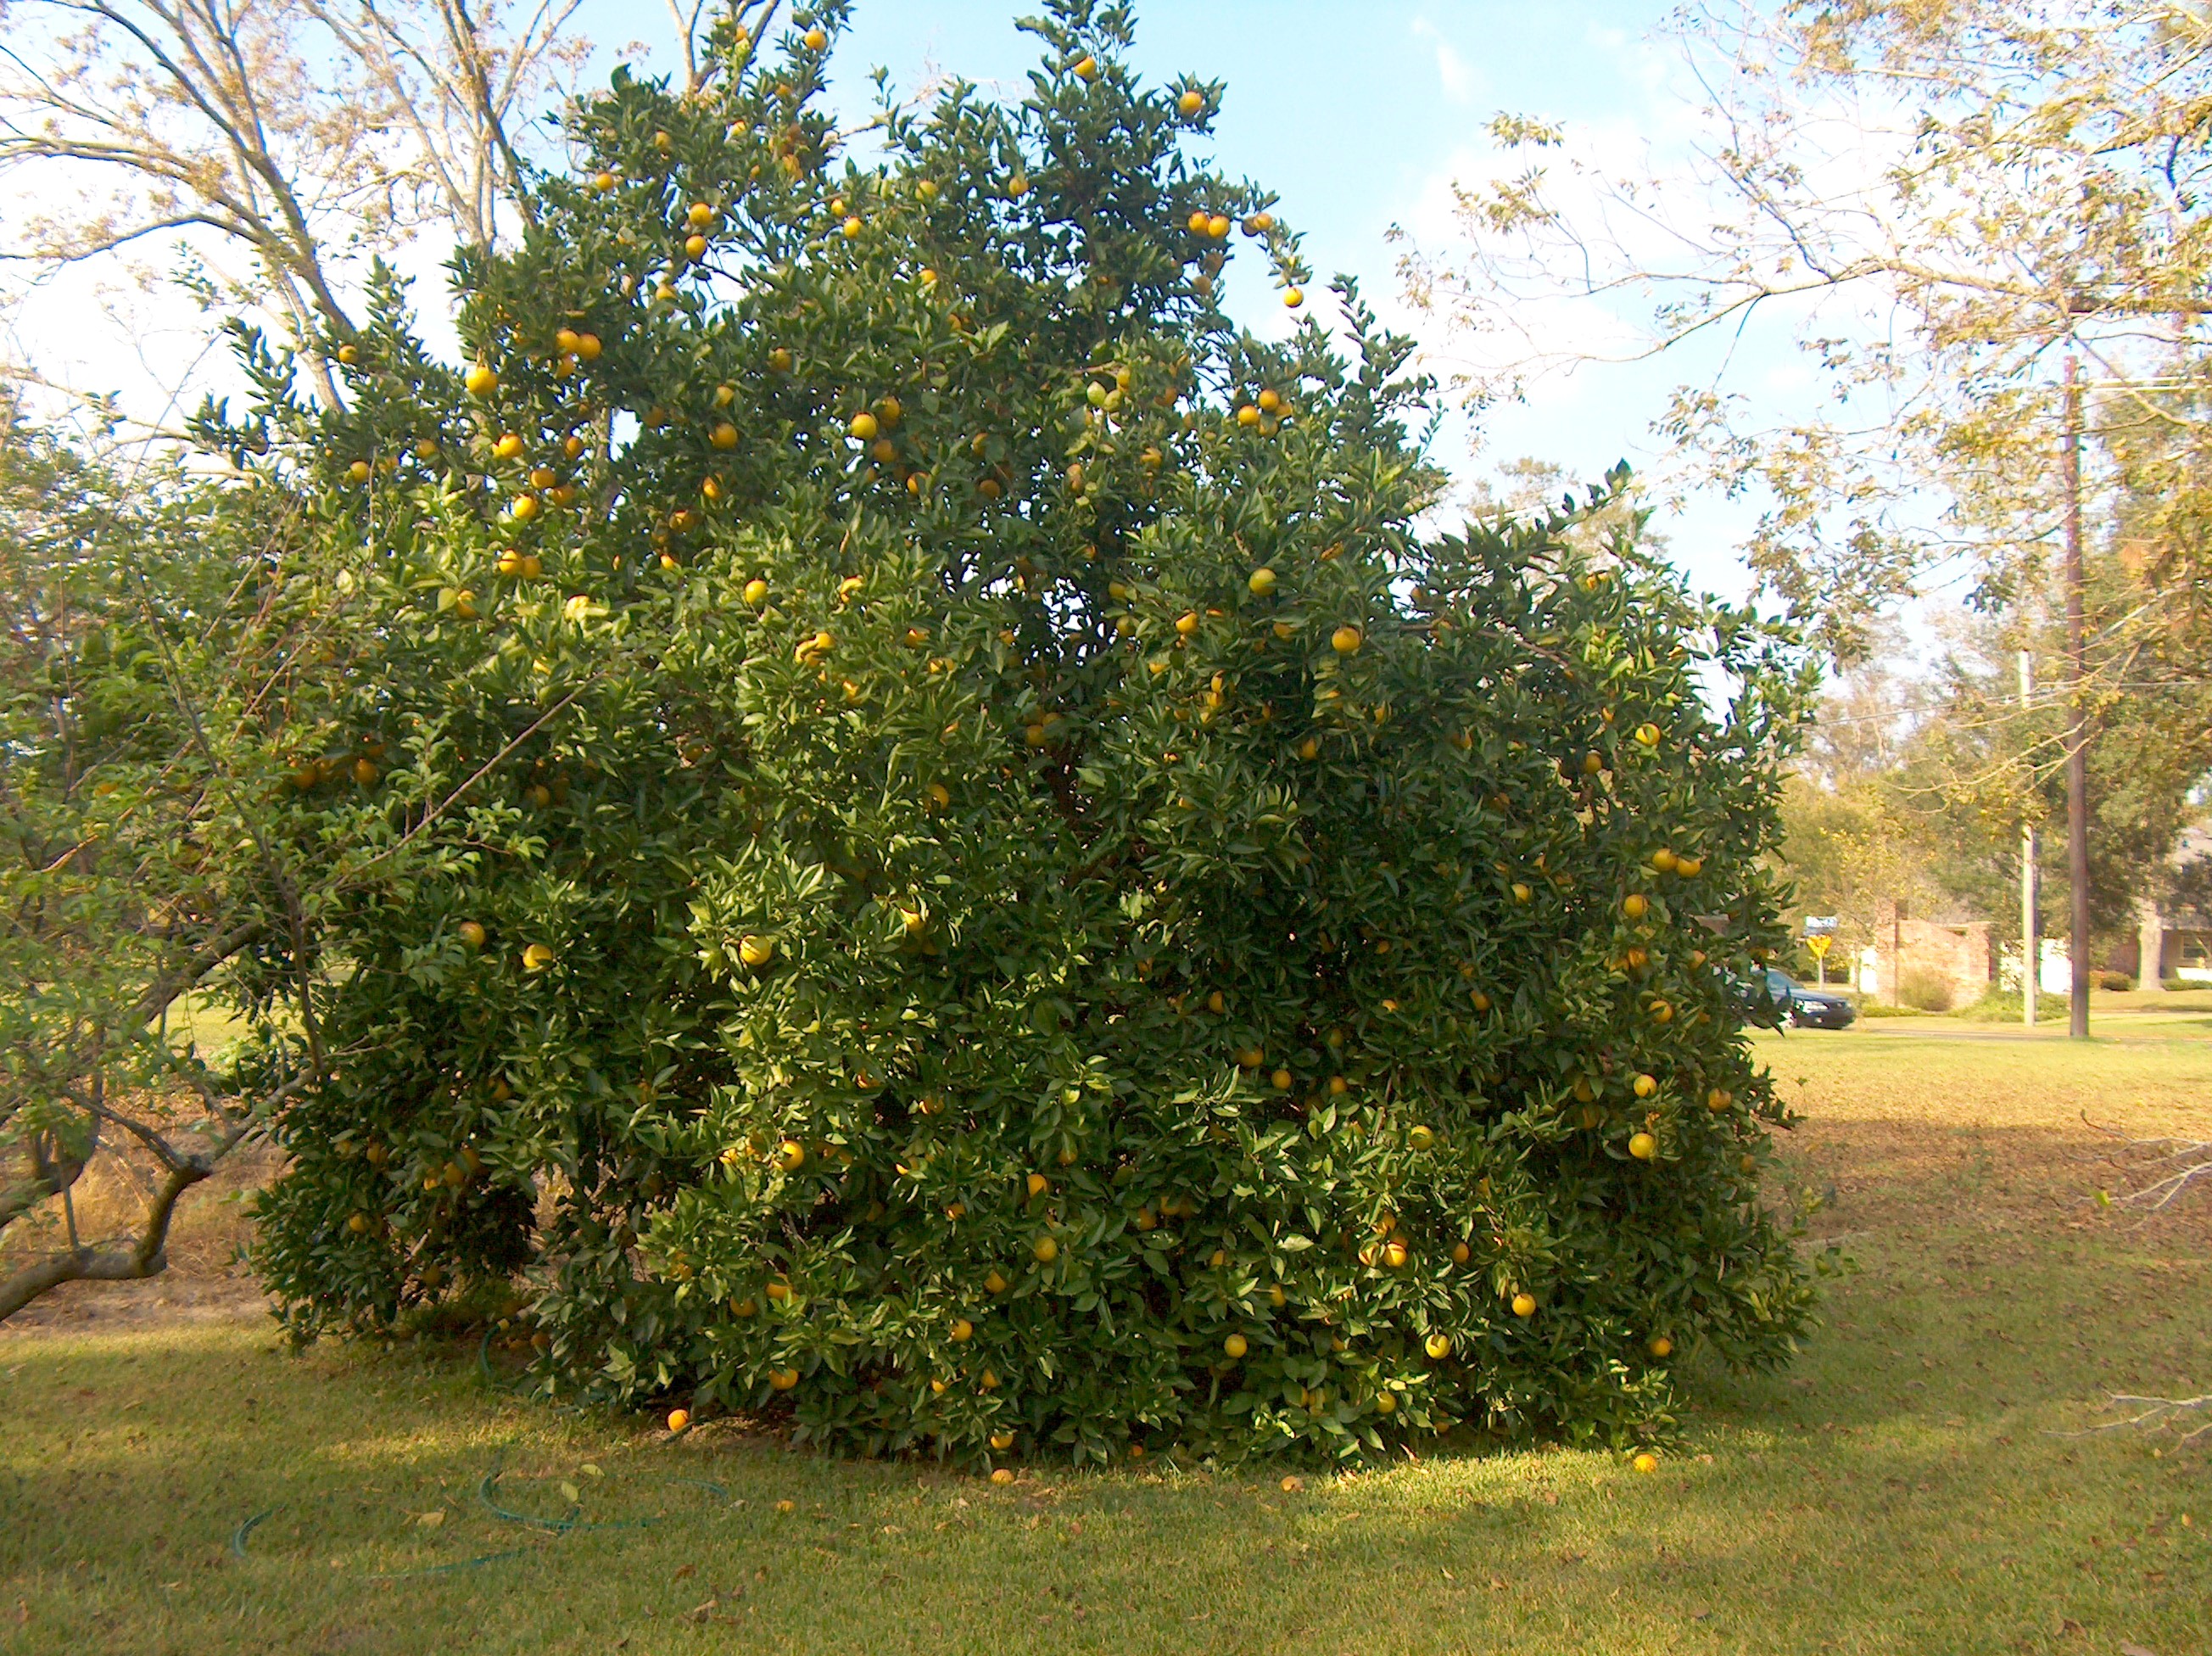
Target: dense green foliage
x=969 y=875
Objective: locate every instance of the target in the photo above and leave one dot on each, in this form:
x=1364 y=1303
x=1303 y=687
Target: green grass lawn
x=1906 y=1487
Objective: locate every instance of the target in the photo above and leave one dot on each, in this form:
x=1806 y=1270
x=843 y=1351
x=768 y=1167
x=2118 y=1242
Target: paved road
x=2142 y=1026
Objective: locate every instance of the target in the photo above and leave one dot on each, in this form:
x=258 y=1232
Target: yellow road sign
x=1818 y=944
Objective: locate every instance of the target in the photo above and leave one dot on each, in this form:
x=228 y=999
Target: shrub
x=2117 y=982
x=1023 y=908
x=2002 y=1006
x=1925 y=991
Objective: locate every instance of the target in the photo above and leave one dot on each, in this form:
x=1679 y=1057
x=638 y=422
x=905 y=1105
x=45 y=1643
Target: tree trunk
x=2150 y=942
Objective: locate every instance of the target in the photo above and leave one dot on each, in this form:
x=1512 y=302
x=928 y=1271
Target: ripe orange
x=1046 y=1250
x=700 y=216
x=1262 y=582
x=1248 y=415
x=815 y=39
x=1346 y=640
x=537 y=957
x=1480 y=1000
x=1461 y=1253
x=962 y=1331
x=1309 y=748
x=1438 y=1346
x=1217 y=227
x=1002 y=1476
x=1394 y=1255
x=1190 y=103
x=1294 y=297
x=1087 y=68
x=679 y=1419
x=1387 y=1402
x=756 y=592
x=1646 y=1462
x=1522 y=893
x=1038 y=1184
x=1421 y=1138
x=1643 y=1145
x=864 y=426
x=783 y=1379
x=1236 y=1345
x=359 y=471
x=1689 y=867
x=696 y=245
x=1635 y=906
x=523 y=508
x=756 y=951
x=994 y=1283
x=481 y=381
x=1002 y=1441
x=790 y=1156
x=1524 y=1305
x=1276 y=1296
x=723 y=435
x=1645 y=1086
x=602 y=182
x=358 y=1224
x=1217 y=1002
x=1647 y=734
x=1717 y=1100
x=471 y=934
x=1660 y=1347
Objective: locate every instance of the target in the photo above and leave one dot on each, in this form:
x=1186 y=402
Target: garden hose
x=570 y=1523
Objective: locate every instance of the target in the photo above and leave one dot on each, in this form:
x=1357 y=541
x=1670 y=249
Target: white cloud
x=1456 y=74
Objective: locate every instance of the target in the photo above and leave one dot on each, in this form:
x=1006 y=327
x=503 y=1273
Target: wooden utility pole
x=2031 y=939
x=2077 y=727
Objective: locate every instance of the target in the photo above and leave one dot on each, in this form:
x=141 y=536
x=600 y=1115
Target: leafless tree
x=306 y=133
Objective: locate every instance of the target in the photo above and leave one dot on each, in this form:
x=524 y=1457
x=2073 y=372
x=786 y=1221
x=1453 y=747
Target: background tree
x=999 y=895
x=1943 y=200
x=305 y=134
x=160 y=670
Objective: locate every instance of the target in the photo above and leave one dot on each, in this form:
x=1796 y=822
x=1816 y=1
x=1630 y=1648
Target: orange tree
x=985 y=890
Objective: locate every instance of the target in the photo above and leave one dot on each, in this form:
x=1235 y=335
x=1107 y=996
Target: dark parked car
x=1804 y=1006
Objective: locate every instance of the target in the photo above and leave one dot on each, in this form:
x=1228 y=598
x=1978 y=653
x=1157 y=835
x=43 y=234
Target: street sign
x=1819 y=942
x=1820 y=925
